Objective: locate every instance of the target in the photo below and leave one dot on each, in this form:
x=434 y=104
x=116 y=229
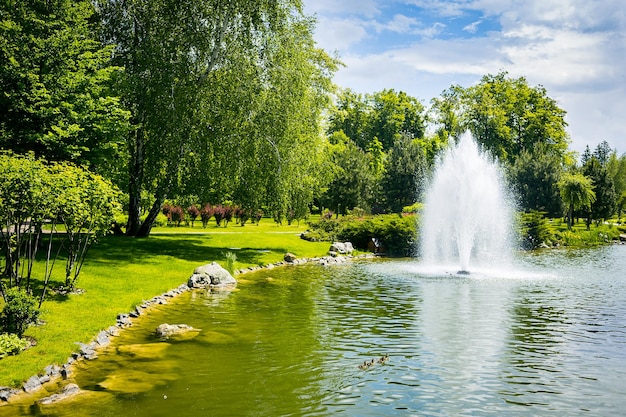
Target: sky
x=576 y=49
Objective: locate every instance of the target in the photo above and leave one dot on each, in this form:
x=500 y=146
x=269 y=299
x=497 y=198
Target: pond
x=548 y=338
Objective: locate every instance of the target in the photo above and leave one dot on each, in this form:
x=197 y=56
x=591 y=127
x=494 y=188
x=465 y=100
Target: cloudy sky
x=576 y=49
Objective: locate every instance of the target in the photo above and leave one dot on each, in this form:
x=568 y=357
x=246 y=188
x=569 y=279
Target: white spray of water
x=467 y=222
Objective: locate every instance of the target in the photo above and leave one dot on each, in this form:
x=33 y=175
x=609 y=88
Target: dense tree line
x=233 y=102
x=518 y=124
x=379 y=150
x=222 y=100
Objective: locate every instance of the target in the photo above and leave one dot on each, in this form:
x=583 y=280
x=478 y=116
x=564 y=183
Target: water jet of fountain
x=467 y=218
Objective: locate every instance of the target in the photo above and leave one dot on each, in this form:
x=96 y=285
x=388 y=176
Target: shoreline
x=89 y=351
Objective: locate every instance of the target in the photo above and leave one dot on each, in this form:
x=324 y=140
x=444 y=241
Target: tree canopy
x=56 y=79
x=232 y=88
x=577 y=193
x=382 y=116
x=506 y=116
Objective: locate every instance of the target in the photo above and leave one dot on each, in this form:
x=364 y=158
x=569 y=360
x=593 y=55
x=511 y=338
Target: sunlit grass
x=121 y=272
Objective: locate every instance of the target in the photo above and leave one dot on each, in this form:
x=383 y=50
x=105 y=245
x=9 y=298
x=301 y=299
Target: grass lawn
x=121 y=272
x=579 y=236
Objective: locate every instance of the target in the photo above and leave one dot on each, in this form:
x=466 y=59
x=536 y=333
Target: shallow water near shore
x=547 y=337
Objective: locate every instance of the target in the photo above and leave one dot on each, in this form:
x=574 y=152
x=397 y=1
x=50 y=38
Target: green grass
x=121 y=272
x=579 y=236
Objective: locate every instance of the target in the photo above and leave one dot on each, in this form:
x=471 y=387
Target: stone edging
x=88 y=351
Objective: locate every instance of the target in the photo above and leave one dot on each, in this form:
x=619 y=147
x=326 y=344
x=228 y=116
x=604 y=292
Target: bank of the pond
x=89 y=351
x=121 y=272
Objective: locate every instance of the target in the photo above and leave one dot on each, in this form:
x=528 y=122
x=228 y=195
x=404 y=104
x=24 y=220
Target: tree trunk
x=570 y=217
x=135 y=183
x=146 y=226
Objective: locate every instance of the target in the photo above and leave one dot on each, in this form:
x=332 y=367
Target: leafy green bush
x=594 y=237
x=398 y=233
x=19 y=311
x=535 y=230
x=413 y=208
x=11 y=344
x=324 y=230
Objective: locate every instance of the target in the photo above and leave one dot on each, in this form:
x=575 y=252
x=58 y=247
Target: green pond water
x=545 y=338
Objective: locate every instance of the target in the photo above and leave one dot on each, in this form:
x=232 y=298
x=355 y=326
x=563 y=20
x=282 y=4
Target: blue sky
x=576 y=49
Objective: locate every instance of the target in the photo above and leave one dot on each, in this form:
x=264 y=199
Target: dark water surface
x=547 y=338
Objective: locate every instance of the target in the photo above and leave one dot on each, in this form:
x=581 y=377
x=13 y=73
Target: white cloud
x=403 y=24
x=559 y=57
x=339 y=34
x=473 y=27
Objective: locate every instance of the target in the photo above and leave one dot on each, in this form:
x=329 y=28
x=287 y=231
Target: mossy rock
x=133 y=381
x=217 y=338
x=80 y=400
x=144 y=350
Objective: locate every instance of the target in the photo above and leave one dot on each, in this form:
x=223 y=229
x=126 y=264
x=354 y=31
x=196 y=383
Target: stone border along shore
x=88 y=351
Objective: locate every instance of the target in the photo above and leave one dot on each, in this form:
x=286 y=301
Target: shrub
x=167 y=210
x=324 y=230
x=228 y=212
x=160 y=221
x=177 y=215
x=258 y=215
x=413 y=208
x=247 y=214
x=535 y=230
x=11 y=344
x=193 y=213
x=218 y=213
x=397 y=233
x=205 y=214
x=19 y=311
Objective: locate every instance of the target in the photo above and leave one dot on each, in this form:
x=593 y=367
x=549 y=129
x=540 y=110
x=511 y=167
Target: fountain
x=467 y=220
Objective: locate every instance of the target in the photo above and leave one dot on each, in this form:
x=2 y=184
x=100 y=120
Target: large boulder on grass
x=341 y=248
x=211 y=275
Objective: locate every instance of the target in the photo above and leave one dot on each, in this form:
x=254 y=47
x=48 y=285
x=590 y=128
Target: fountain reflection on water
x=467 y=223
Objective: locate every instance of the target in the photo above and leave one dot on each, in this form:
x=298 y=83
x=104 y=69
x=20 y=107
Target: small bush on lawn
x=11 y=344
x=19 y=311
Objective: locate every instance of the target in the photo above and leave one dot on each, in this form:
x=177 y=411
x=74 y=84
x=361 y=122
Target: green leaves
x=19 y=311
x=383 y=116
x=34 y=193
x=576 y=192
x=226 y=97
x=56 y=80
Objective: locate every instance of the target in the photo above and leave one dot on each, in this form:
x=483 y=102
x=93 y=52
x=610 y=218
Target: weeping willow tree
x=221 y=95
x=577 y=193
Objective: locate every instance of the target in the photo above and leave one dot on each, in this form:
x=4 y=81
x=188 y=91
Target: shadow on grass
x=120 y=251
x=125 y=250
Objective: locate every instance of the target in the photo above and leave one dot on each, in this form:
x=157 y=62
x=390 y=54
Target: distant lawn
x=579 y=236
x=121 y=272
